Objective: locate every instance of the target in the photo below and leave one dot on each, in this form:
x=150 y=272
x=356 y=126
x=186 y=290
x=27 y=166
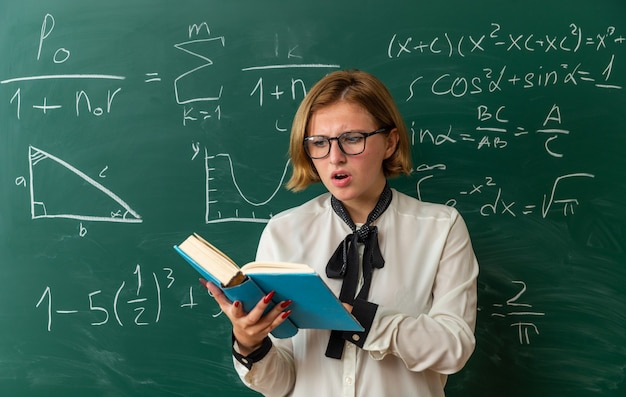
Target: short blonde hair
x=353 y=86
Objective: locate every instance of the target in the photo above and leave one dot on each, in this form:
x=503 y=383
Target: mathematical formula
x=574 y=39
x=136 y=303
x=498 y=205
x=522 y=313
x=492 y=124
x=494 y=130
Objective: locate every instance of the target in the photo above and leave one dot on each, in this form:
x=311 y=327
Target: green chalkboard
x=127 y=125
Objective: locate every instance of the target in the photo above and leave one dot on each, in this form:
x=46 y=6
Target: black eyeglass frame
x=365 y=135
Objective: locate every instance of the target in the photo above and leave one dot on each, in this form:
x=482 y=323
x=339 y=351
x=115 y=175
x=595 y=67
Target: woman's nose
x=336 y=155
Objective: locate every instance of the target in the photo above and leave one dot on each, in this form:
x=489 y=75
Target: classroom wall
x=126 y=126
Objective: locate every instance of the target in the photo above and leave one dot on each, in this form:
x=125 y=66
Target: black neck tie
x=344 y=263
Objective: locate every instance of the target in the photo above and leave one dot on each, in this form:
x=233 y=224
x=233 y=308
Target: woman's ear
x=392 y=142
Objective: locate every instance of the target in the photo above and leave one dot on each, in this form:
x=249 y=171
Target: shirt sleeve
x=274 y=374
x=253 y=357
x=365 y=313
x=442 y=339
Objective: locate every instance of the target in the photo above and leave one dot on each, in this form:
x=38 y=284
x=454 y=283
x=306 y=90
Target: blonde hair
x=356 y=87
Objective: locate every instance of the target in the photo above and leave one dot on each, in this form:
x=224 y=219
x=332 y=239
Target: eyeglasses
x=350 y=143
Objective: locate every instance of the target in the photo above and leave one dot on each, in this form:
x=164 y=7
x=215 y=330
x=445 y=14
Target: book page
x=210 y=258
x=276 y=267
x=215 y=249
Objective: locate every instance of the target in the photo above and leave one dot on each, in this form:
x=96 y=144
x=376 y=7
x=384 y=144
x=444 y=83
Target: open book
x=314 y=304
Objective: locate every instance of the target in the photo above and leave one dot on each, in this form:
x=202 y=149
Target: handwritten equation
x=201 y=103
x=494 y=79
x=83 y=101
x=198 y=93
x=494 y=130
x=137 y=303
x=524 y=317
x=498 y=205
x=575 y=39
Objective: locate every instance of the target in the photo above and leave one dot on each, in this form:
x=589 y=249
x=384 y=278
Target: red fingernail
x=236 y=303
x=268 y=297
x=286 y=314
x=286 y=303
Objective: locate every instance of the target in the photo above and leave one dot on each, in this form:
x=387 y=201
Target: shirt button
x=349 y=380
x=356 y=337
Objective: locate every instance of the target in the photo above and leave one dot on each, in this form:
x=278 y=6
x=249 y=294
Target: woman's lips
x=340 y=179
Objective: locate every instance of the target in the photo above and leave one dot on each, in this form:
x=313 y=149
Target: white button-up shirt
x=423 y=328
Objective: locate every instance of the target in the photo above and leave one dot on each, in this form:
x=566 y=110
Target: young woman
x=405 y=268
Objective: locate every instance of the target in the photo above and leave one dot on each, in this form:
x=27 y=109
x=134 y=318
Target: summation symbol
x=206 y=62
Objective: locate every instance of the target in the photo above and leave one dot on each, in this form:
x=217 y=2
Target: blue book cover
x=314 y=304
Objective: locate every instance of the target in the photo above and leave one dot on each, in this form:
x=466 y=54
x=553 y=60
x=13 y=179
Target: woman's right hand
x=250 y=329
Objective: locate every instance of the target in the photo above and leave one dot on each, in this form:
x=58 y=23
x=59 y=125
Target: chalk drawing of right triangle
x=60 y=190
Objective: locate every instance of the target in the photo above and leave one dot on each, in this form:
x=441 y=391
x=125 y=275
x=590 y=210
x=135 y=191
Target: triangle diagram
x=59 y=190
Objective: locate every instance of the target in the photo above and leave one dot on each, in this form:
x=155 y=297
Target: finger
x=217 y=294
x=282 y=317
x=276 y=315
x=280 y=308
x=257 y=311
